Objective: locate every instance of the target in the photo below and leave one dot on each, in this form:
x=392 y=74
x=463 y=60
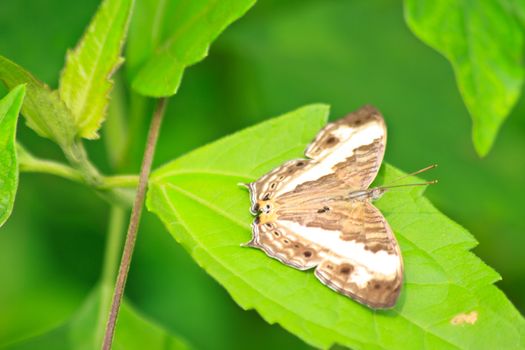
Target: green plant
x=443 y=279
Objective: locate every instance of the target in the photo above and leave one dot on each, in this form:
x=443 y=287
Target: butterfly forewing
x=307 y=218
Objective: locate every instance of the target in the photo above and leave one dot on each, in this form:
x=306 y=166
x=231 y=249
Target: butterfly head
x=265 y=210
x=376 y=193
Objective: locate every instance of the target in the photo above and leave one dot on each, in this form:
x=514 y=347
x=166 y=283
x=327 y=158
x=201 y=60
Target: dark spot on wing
x=346 y=269
x=323 y=210
x=331 y=140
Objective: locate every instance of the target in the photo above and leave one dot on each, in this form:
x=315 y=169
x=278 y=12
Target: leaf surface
x=168 y=36
x=85 y=83
x=9 y=108
x=45 y=113
x=133 y=332
x=197 y=198
x=483 y=41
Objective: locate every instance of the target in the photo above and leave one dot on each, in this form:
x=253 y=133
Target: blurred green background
x=281 y=55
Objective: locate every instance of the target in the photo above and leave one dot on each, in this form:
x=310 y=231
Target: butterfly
x=317 y=212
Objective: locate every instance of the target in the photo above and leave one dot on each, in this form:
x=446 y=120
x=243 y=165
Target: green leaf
x=85 y=83
x=168 y=36
x=484 y=43
x=134 y=331
x=9 y=108
x=198 y=199
x=45 y=113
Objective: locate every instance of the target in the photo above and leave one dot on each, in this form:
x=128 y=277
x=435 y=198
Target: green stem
x=76 y=155
x=50 y=167
x=117 y=224
x=35 y=165
x=139 y=109
x=128 y=181
x=116 y=227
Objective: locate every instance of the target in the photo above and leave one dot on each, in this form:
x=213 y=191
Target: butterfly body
x=317 y=212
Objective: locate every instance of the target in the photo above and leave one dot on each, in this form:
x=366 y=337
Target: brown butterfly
x=317 y=212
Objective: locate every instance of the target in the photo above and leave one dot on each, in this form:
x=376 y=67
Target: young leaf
x=45 y=113
x=9 y=109
x=134 y=332
x=484 y=43
x=85 y=83
x=448 y=300
x=168 y=36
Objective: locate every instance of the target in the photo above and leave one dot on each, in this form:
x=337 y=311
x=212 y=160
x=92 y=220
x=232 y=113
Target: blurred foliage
x=483 y=40
x=281 y=55
x=82 y=332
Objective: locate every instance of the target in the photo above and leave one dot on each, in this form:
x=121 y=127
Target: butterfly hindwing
x=371 y=269
x=286 y=246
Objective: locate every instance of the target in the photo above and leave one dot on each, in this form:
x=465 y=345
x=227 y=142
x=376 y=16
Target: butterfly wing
x=365 y=261
x=345 y=155
x=353 y=146
x=350 y=244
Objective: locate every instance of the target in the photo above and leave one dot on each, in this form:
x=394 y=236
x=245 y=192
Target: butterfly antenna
x=433 y=182
x=414 y=173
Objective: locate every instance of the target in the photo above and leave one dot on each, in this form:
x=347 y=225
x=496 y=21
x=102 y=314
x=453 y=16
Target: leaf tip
x=483 y=138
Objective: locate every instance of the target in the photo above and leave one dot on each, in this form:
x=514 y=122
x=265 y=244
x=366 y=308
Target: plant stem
x=119 y=181
x=67 y=172
x=136 y=213
x=51 y=167
x=117 y=222
x=111 y=188
x=113 y=244
x=76 y=154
